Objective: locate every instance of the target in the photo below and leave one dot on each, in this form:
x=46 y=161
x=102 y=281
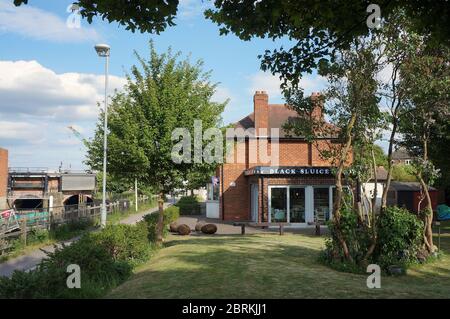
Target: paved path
x=227 y=228
x=32 y=258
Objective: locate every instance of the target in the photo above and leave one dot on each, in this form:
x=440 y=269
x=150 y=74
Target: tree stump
x=184 y=230
x=199 y=225
x=173 y=227
x=209 y=229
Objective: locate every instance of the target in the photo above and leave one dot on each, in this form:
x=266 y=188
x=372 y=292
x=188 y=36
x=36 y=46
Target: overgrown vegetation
x=106 y=258
x=40 y=237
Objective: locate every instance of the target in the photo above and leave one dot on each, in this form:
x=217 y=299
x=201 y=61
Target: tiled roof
x=279 y=114
x=400 y=154
x=408 y=186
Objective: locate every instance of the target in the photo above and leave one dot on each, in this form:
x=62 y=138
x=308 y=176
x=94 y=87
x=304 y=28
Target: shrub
x=189 y=205
x=171 y=214
x=99 y=272
x=356 y=238
x=399 y=240
x=106 y=259
x=400 y=237
x=71 y=229
x=128 y=243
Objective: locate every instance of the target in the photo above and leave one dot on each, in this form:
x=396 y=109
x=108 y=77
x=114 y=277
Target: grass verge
x=270 y=266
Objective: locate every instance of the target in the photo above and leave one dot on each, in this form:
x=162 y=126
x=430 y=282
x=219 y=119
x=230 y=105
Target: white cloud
x=385 y=74
x=263 y=81
x=21 y=131
x=28 y=88
x=191 y=8
x=222 y=94
x=38 y=24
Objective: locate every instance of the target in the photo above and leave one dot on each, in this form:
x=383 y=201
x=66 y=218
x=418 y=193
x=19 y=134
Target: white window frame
x=309 y=201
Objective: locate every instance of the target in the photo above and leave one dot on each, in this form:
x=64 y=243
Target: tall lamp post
x=103 y=51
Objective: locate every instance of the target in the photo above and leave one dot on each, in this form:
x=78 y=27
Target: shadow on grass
x=261 y=266
x=199 y=268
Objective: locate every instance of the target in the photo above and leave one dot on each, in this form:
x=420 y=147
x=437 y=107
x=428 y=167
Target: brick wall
x=235 y=200
x=3 y=177
x=235 y=186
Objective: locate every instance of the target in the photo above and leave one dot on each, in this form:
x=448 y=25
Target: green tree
x=317 y=26
x=437 y=153
x=162 y=94
x=352 y=106
x=403 y=173
x=380 y=156
x=426 y=74
x=318 y=29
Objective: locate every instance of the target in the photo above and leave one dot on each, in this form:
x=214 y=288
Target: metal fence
x=20 y=223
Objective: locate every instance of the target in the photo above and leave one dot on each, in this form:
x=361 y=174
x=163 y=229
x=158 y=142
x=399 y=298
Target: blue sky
x=51 y=77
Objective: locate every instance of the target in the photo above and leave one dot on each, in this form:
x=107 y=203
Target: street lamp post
x=103 y=50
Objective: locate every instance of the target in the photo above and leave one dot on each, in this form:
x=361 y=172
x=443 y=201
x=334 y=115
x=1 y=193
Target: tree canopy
x=162 y=95
x=318 y=22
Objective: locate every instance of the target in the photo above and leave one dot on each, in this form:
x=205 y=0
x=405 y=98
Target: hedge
x=189 y=205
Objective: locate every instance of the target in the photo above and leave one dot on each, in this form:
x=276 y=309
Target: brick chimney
x=317 y=106
x=261 y=111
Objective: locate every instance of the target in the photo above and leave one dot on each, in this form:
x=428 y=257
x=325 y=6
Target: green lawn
x=269 y=266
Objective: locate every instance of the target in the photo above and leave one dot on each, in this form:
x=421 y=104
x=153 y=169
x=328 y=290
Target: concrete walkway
x=32 y=258
x=227 y=228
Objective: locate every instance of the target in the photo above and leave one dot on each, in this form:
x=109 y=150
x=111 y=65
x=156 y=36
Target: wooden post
x=317 y=229
x=243 y=229
x=281 y=229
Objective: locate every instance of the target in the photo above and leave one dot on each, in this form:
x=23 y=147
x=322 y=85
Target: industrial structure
x=38 y=188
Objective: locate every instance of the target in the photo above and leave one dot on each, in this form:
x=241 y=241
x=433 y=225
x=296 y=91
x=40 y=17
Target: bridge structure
x=37 y=188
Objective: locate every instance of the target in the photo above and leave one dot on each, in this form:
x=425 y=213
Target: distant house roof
x=279 y=115
x=407 y=186
x=381 y=174
x=401 y=154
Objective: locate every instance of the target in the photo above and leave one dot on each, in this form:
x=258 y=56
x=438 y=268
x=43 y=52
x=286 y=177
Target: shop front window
x=322 y=204
x=298 y=204
x=278 y=205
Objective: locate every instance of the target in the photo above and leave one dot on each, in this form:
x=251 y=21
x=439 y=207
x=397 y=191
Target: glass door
x=297 y=204
x=278 y=204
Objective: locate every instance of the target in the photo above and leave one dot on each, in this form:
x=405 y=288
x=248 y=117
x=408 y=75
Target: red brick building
x=296 y=189
x=3 y=177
